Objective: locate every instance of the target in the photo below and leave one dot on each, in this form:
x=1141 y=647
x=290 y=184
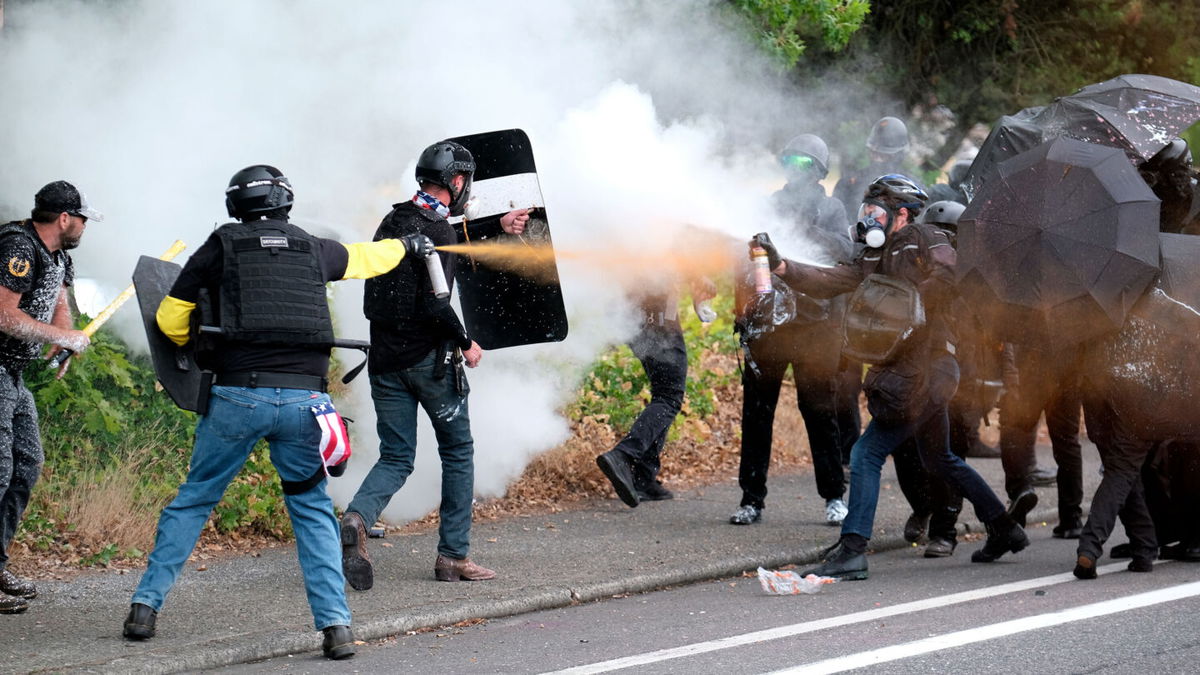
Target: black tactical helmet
x=439 y=163
x=257 y=189
x=944 y=214
x=889 y=136
x=807 y=145
x=894 y=191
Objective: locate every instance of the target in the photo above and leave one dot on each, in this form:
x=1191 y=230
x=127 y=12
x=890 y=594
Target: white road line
x=996 y=630
x=825 y=624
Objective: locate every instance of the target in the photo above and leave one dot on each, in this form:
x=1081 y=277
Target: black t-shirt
x=29 y=268
x=203 y=271
x=435 y=322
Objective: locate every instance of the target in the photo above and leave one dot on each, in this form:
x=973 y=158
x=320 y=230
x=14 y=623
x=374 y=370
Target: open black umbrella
x=1060 y=242
x=1139 y=114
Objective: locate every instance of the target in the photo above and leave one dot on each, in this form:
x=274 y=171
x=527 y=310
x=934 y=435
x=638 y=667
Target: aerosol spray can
x=762 y=270
x=437 y=277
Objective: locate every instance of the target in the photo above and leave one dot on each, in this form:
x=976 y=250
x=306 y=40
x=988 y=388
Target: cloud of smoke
x=644 y=116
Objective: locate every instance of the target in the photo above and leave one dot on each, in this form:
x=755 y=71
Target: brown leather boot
x=452 y=569
x=356 y=562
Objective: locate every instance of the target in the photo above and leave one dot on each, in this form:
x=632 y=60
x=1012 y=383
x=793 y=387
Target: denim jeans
x=20 y=455
x=930 y=431
x=396 y=397
x=237 y=418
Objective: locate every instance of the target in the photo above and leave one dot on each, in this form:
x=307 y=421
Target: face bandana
x=427 y=201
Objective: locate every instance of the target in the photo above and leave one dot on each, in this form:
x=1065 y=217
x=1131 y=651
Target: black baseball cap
x=62 y=197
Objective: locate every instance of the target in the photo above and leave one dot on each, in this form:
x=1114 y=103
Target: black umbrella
x=1059 y=242
x=1139 y=114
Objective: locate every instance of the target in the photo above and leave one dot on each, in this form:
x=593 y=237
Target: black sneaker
x=1121 y=551
x=746 y=514
x=653 y=491
x=617 y=469
x=11 y=604
x=1085 y=568
x=139 y=625
x=1067 y=530
x=1141 y=565
x=1004 y=536
x=338 y=643
x=1021 y=505
x=915 y=527
x=940 y=547
x=1043 y=477
x=841 y=563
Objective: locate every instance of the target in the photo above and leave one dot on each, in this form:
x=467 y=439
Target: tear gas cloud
x=643 y=116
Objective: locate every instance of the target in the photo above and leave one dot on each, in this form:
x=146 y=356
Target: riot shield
x=176 y=369
x=517 y=300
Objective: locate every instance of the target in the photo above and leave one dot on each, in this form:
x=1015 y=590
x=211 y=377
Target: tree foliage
x=786 y=28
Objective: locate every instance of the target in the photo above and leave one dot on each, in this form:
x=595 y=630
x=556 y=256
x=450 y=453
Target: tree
x=786 y=28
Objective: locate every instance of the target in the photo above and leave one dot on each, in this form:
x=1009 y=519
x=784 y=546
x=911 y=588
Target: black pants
x=930 y=494
x=663 y=355
x=1171 y=478
x=816 y=394
x=1121 y=493
x=1056 y=392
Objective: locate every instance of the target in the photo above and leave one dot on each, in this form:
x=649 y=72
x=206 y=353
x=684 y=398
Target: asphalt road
x=1024 y=614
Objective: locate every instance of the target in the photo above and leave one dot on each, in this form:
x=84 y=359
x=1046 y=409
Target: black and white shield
x=175 y=367
x=514 y=298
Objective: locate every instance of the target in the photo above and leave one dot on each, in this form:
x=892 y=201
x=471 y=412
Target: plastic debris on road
x=786 y=582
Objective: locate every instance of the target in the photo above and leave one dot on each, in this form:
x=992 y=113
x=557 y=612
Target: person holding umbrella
x=910 y=384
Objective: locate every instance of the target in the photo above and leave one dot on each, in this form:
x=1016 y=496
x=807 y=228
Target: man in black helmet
x=265 y=279
x=887 y=145
x=912 y=381
x=35 y=271
x=810 y=345
x=418 y=345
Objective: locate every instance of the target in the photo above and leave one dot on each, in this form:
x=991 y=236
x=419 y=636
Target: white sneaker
x=835 y=511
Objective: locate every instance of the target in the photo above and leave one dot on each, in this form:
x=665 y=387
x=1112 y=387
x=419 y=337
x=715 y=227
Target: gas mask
x=872 y=225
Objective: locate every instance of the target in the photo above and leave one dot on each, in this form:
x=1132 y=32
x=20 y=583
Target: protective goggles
x=798 y=162
x=873 y=213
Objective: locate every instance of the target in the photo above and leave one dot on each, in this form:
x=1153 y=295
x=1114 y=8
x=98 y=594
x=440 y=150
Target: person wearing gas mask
x=35 y=271
x=270 y=364
x=809 y=343
x=913 y=373
x=418 y=348
x=887 y=147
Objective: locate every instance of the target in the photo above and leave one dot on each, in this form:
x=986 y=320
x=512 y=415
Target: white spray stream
x=640 y=114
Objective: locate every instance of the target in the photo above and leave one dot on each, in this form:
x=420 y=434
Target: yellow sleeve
x=372 y=258
x=173 y=317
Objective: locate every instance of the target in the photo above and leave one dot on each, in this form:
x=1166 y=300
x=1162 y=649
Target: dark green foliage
x=786 y=28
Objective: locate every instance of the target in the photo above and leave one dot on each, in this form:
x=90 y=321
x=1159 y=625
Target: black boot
x=139 y=625
x=338 y=643
x=846 y=560
x=619 y=471
x=1004 y=536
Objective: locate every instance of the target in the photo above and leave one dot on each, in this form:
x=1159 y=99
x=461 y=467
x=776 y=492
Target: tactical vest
x=272 y=288
x=400 y=297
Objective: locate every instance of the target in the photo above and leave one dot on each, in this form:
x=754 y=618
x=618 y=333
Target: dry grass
x=106 y=512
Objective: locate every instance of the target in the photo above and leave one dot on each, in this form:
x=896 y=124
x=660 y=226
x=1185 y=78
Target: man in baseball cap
x=62 y=197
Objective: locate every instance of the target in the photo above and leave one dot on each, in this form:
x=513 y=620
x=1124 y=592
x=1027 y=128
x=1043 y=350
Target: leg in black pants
x=816 y=396
x=1062 y=421
x=760 y=395
x=664 y=357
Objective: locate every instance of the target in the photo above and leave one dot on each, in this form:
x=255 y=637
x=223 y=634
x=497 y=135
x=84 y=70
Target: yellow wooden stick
x=107 y=312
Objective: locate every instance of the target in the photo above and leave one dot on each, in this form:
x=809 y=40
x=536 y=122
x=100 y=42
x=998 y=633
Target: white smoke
x=640 y=114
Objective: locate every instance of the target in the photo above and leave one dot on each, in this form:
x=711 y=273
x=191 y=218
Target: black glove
x=418 y=245
x=763 y=240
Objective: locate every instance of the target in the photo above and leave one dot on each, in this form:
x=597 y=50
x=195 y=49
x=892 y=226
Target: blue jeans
x=396 y=397
x=930 y=430
x=237 y=418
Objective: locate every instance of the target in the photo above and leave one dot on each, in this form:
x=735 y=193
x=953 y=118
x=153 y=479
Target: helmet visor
x=796 y=162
